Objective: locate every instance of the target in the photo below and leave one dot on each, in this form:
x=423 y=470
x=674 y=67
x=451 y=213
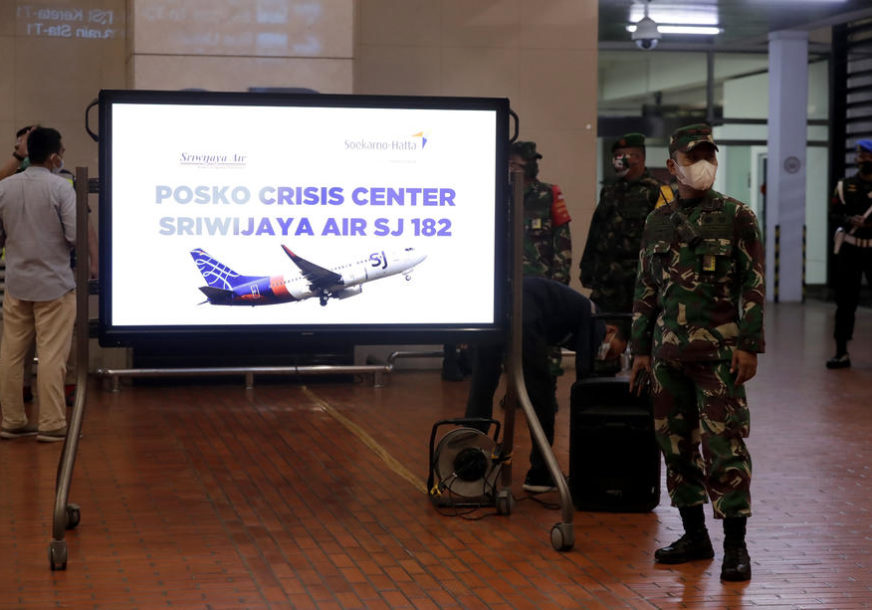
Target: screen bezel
x=309 y=335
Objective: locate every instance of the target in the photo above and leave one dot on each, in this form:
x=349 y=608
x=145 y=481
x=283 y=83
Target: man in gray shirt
x=38 y=230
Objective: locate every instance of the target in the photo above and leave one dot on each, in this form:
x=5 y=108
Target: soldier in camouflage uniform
x=850 y=210
x=611 y=253
x=547 y=241
x=698 y=312
x=547 y=254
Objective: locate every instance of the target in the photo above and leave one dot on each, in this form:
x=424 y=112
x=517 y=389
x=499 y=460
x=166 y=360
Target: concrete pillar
x=786 y=168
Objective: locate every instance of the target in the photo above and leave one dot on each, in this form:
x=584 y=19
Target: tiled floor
x=312 y=496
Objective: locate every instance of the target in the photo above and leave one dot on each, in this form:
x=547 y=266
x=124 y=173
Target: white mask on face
x=700 y=176
x=56 y=169
x=622 y=167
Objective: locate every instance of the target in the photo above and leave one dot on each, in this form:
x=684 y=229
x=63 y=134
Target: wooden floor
x=294 y=496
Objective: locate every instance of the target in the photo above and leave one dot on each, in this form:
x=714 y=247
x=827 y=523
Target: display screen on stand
x=265 y=218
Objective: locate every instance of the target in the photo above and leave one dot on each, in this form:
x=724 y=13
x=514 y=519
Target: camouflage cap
x=685 y=139
x=630 y=140
x=525 y=150
x=864 y=145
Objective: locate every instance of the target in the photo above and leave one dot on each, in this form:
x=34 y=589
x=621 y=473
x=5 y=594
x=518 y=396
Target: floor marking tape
x=369 y=441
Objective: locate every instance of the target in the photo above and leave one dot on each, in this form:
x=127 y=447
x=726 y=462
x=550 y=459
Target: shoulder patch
x=559 y=213
x=665 y=197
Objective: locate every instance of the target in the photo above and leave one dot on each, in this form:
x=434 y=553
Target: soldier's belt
x=856 y=241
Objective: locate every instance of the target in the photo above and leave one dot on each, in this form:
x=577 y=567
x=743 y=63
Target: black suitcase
x=614 y=461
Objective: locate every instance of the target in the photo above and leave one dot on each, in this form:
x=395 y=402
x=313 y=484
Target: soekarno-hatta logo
x=422 y=136
x=412 y=143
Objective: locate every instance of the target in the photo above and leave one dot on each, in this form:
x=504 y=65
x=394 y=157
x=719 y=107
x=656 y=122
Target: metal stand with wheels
x=66 y=514
x=562 y=534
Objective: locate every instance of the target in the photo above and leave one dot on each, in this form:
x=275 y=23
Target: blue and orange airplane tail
x=218 y=276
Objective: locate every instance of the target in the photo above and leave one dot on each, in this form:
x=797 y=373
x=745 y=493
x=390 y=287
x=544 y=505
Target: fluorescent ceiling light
x=700 y=30
x=677 y=14
x=797 y=1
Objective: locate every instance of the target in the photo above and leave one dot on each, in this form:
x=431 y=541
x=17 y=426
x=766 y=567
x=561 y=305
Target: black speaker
x=614 y=461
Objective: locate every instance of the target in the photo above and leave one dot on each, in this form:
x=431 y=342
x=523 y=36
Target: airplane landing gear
x=323 y=297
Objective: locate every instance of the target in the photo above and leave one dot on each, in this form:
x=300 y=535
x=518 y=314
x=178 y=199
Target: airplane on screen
x=227 y=287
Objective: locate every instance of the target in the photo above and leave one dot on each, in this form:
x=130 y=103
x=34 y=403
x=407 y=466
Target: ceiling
x=745 y=24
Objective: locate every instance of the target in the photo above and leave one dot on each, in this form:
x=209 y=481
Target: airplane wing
x=318 y=277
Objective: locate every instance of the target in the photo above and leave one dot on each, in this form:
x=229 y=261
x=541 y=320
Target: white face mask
x=622 y=167
x=700 y=176
x=56 y=169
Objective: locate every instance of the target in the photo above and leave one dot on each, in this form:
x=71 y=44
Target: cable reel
x=465 y=465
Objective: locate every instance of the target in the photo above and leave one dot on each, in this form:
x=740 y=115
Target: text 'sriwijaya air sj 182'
x=227 y=287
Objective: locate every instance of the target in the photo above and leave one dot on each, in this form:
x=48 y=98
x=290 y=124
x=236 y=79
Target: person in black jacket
x=553 y=314
x=851 y=210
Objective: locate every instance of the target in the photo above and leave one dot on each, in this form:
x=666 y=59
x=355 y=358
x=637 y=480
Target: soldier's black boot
x=695 y=544
x=839 y=361
x=737 y=562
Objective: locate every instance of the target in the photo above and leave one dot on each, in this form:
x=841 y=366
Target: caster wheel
x=57 y=556
x=562 y=537
x=74 y=516
x=505 y=502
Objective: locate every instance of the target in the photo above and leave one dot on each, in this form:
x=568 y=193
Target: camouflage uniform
x=547 y=241
x=547 y=254
x=547 y=244
x=611 y=253
x=699 y=296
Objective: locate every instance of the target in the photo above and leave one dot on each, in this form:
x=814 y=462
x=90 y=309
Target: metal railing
x=378 y=373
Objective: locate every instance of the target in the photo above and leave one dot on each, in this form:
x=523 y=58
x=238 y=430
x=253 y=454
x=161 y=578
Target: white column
x=786 y=169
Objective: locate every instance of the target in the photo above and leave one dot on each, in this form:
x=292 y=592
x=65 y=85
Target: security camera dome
x=646 y=35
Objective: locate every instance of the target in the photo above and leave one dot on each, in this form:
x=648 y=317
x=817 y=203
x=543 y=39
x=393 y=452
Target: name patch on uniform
x=708 y=263
x=716 y=225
